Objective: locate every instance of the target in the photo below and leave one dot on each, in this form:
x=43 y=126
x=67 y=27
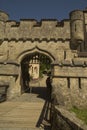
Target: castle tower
x=3 y=18
x=77 y=29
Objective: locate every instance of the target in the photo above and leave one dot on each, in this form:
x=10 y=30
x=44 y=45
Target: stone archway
x=35 y=67
x=23 y=56
x=35 y=49
x=17 y=82
x=17 y=85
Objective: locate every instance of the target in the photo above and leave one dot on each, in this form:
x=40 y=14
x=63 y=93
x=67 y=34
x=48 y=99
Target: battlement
x=72 y=29
x=76 y=15
x=35 y=23
x=32 y=29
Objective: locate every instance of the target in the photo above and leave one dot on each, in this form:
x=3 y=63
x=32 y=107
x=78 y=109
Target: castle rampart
x=32 y=29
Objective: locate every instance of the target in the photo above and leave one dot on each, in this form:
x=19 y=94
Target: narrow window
x=79 y=83
x=32 y=69
x=75 y=28
x=64 y=54
x=68 y=82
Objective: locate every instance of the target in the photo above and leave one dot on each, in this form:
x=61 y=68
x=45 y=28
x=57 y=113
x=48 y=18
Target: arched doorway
x=35 y=68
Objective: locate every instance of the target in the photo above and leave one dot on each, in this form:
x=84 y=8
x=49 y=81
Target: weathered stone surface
x=69 y=92
x=66 y=63
x=31 y=29
x=64 y=120
x=8 y=69
x=78 y=62
x=70 y=71
x=61 y=42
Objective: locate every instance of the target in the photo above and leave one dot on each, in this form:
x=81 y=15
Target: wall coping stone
x=71 y=117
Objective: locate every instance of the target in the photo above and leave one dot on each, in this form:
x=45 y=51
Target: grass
x=80 y=113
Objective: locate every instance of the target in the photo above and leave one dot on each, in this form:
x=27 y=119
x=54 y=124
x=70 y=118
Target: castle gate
x=34 y=66
x=63 y=43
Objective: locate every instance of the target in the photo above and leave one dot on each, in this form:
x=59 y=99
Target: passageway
x=34 y=67
x=32 y=109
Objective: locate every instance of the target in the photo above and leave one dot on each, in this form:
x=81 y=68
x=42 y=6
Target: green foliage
x=44 y=67
x=80 y=113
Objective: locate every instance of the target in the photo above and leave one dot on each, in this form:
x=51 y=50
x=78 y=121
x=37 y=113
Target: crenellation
x=11 y=23
x=27 y=23
x=16 y=25
x=48 y=23
x=76 y=15
x=29 y=28
x=64 y=23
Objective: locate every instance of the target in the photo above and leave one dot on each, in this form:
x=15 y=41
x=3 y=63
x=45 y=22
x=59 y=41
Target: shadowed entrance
x=36 y=68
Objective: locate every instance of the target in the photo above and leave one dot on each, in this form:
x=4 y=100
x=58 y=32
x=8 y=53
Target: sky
x=41 y=9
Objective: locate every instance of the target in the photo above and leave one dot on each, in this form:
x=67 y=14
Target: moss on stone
x=80 y=113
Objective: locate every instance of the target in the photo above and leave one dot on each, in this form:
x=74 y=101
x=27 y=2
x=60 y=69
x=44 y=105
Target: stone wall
x=70 y=84
x=9 y=72
x=53 y=39
x=12 y=53
x=13 y=50
x=72 y=29
x=64 y=120
x=31 y=29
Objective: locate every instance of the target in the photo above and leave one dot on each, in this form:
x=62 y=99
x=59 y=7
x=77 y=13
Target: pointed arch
x=36 y=49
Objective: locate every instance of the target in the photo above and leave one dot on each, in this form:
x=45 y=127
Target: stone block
x=78 y=63
x=67 y=71
x=66 y=63
x=8 y=69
